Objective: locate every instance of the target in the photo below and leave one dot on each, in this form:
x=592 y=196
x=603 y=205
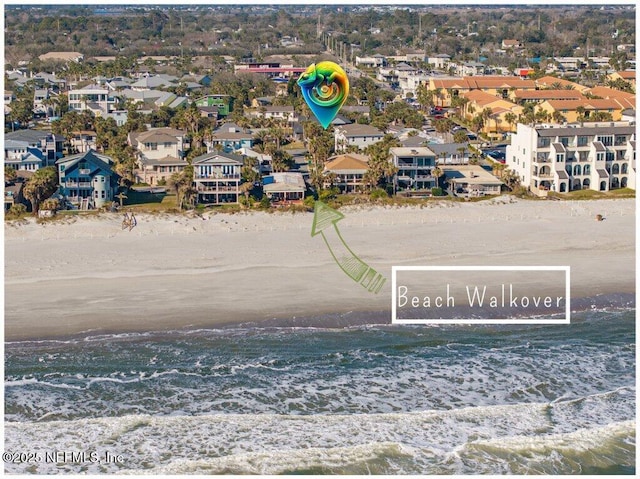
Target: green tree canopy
x=41 y=186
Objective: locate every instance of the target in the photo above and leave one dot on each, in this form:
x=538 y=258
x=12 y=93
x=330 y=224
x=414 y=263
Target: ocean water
x=375 y=399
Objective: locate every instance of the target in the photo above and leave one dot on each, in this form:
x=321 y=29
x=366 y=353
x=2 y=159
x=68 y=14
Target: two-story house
x=97 y=99
x=284 y=113
x=87 y=179
x=346 y=172
x=229 y=138
x=356 y=135
x=51 y=146
x=21 y=157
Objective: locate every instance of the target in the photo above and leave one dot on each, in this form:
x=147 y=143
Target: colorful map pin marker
x=325 y=87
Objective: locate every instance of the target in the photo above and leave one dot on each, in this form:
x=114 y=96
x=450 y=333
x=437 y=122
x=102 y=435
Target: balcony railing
x=216 y=177
x=78 y=184
x=214 y=189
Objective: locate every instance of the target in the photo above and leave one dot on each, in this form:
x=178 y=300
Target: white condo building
x=562 y=158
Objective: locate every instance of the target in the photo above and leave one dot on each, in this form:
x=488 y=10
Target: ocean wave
x=497 y=439
x=584 y=451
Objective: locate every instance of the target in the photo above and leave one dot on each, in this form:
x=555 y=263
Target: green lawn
x=594 y=195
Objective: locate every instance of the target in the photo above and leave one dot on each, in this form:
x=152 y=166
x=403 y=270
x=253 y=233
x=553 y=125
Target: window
x=583 y=140
x=610 y=156
x=560 y=157
x=607 y=140
x=620 y=140
x=103 y=194
x=543 y=142
x=564 y=140
x=600 y=157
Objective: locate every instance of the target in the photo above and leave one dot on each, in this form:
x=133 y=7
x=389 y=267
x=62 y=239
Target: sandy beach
x=177 y=271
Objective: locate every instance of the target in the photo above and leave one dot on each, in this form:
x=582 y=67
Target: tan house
x=511 y=43
x=160 y=153
x=499 y=86
x=159 y=143
x=346 y=172
x=626 y=75
x=571 y=109
x=555 y=83
x=479 y=100
x=538 y=96
x=626 y=100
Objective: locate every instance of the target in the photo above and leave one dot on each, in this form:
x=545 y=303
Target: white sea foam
x=429 y=442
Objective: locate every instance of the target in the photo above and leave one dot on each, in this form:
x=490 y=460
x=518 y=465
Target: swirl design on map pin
x=325 y=87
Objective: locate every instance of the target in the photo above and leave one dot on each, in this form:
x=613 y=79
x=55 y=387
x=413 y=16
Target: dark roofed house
x=87 y=179
x=49 y=144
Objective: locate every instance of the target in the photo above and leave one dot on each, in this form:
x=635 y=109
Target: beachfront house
x=160 y=153
x=471 y=181
x=597 y=155
x=87 y=180
x=217 y=178
x=284 y=188
x=415 y=169
x=346 y=172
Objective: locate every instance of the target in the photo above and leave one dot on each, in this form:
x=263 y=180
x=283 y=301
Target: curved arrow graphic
x=325 y=223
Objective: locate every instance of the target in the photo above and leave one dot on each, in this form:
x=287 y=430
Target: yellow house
x=571 y=109
x=497 y=86
x=479 y=100
x=626 y=75
x=627 y=100
x=538 y=96
x=447 y=88
x=555 y=83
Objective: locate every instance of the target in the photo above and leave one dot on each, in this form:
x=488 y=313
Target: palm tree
x=558 y=117
x=437 y=173
x=439 y=95
x=245 y=189
x=510 y=118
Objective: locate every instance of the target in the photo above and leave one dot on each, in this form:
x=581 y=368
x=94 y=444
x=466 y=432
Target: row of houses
x=88 y=179
x=506 y=98
x=558 y=158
